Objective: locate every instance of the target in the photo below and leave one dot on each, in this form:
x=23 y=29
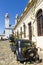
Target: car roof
x=23 y=40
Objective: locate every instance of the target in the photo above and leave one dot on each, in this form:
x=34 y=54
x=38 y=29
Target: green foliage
x=14 y=44
x=24 y=49
x=33 y=43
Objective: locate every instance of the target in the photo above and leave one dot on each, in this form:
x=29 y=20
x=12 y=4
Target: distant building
x=2 y=36
x=8 y=27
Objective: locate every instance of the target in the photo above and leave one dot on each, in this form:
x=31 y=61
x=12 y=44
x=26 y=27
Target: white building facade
x=7 y=25
x=30 y=24
x=8 y=28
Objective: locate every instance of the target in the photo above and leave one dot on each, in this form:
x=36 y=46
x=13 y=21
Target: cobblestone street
x=7 y=57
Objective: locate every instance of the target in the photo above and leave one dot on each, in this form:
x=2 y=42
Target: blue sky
x=12 y=7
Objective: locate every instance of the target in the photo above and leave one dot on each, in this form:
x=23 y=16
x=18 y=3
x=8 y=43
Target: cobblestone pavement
x=7 y=57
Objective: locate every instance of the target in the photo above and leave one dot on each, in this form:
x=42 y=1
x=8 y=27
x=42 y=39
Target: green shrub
x=14 y=44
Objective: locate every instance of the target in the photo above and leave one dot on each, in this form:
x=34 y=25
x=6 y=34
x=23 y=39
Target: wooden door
x=30 y=31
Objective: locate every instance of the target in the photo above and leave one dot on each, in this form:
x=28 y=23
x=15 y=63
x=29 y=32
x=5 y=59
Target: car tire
x=16 y=55
x=14 y=52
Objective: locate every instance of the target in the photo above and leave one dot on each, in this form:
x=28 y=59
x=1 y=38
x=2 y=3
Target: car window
x=26 y=44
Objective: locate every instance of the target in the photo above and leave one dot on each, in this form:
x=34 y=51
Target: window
x=40 y=23
x=17 y=34
x=24 y=30
x=21 y=32
x=30 y=31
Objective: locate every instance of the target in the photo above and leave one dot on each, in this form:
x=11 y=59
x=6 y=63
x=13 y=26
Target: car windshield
x=25 y=46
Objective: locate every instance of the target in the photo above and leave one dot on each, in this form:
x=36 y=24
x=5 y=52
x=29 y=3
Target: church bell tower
x=7 y=25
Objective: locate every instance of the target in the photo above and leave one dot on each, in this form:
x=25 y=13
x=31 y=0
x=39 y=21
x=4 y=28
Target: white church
x=8 y=28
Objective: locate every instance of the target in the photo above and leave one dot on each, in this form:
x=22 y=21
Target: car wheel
x=14 y=52
x=16 y=55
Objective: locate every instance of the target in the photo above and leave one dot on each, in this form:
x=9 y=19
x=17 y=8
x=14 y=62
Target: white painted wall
x=39 y=38
x=6 y=33
x=27 y=19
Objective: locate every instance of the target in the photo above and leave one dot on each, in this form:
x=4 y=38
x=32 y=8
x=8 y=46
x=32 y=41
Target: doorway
x=30 y=31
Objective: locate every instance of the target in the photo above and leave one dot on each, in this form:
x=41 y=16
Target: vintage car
x=25 y=51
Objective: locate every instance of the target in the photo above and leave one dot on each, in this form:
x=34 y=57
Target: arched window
x=24 y=26
x=17 y=34
x=21 y=32
x=39 y=17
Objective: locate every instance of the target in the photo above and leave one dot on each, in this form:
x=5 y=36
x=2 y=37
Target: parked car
x=25 y=51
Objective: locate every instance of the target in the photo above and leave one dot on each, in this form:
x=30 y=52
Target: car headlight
x=31 y=54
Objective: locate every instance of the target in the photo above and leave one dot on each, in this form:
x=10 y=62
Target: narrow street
x=7 y=57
